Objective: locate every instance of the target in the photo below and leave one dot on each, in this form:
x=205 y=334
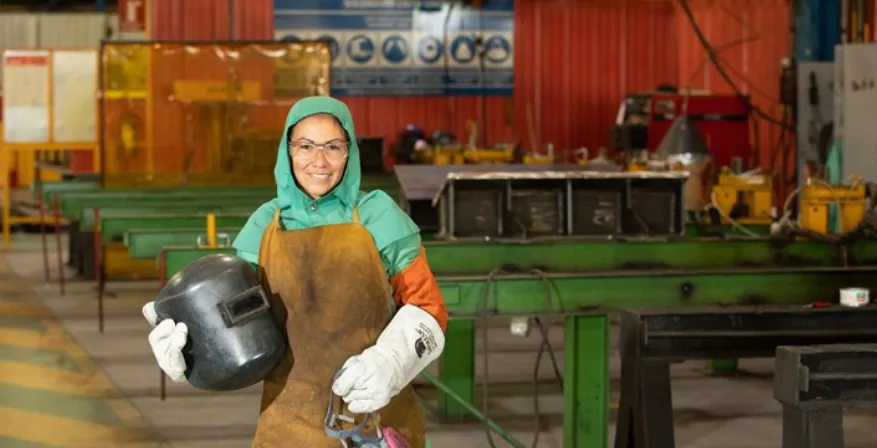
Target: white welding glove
x=167 y=340
x=411 y=341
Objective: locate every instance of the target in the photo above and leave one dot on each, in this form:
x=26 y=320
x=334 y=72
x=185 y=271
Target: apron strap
x=267 y=236
x=355 y=215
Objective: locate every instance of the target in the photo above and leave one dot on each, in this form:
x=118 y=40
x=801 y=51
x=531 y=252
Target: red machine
x=722 y=119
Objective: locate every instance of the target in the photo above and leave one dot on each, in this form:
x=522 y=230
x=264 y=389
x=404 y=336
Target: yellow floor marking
x=51 y=430
x=91 y=384
x=91 y=381
x=54 y=340
x=22 y=309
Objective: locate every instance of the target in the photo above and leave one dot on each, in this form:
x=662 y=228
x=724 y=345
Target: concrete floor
x=64 y=384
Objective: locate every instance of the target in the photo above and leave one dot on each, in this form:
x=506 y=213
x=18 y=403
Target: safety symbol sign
x=430 y=49
x=401 y=48
x=395 y=49
x=497 y=49
x=360 y=49
x=333 y=45
x=463 y=49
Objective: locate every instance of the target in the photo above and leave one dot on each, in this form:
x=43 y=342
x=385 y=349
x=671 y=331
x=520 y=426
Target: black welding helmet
x=234 y=340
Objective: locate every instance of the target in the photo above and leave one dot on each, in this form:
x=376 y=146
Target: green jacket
x=395 y=234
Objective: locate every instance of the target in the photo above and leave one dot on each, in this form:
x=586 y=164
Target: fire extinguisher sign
x=132 y=16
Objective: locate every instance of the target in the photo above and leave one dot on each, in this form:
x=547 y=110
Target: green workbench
x=145 y=244
x=115 y=225
x=583 y=281
x=71 y=207
x=86 y=217
x=79 y=189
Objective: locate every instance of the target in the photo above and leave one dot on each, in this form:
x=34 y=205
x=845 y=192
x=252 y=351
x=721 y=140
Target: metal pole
x=231 y=20
x=844 y=17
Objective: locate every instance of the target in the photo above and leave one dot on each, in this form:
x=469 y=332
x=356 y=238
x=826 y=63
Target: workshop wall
x=209 y=19
x=575 y=60
x=751 y=37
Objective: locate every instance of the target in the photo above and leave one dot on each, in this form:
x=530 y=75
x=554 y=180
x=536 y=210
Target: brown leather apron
x=331 y=295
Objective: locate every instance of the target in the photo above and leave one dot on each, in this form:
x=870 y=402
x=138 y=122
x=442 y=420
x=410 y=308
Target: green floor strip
x=34 y=356
x=86 y=409
x=9 y=442
x=10 y=296
x=23 y=323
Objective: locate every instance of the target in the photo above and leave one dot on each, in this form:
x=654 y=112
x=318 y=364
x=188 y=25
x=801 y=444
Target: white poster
x=74 y=84
x=26 y=96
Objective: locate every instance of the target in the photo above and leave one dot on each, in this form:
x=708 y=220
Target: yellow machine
x=745 y=198
x=440 y=155
x=488 y=156
x=817 y=198
x=538 y=159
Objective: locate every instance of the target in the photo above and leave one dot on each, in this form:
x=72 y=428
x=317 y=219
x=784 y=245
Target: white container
x=854 y=297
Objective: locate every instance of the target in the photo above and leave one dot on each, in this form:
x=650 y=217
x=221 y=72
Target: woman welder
x=330 y=253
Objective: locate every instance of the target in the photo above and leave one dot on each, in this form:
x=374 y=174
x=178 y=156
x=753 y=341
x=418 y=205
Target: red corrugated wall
x=751 y=36
x=574 y=62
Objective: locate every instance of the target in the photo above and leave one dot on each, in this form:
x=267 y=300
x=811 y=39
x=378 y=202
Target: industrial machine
x=745 y=198
x=443 y=148
x=817 y=213
x=645 y=118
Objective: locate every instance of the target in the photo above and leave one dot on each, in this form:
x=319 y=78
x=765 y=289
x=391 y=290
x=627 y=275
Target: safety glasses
x=306 y=150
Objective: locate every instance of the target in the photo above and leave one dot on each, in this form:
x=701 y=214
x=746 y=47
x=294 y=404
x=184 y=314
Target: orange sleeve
x=416 y=285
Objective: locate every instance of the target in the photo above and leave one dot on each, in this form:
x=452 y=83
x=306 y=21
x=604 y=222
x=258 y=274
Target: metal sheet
x=859 y=97
x=211 y=20
x=424 y=182
x=73 y=30
x=576 y=60
x=526 y=174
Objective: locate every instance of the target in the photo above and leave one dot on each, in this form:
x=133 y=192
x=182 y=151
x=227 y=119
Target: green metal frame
x=117 y=224
x=588 y=280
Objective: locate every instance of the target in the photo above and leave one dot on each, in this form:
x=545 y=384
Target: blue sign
x=430 y=49
x=395 y=49
x=420 y=29
x=463 y=49
x=497 y=50
x=360 y=49
x=333 y=44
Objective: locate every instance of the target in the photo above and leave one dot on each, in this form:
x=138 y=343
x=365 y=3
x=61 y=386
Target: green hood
x=290 y=198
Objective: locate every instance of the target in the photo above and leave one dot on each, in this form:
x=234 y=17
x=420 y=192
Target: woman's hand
x=411 y=341
x=167 y=340
x=366 y=383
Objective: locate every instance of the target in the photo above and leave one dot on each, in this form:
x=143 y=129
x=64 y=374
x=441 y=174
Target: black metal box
x=654 y=206
x=554 y=204
x=597 y=207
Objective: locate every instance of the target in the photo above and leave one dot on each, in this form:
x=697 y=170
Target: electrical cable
x=753 y=36
x=686 y=9
x=447 y=61
x=543 y=346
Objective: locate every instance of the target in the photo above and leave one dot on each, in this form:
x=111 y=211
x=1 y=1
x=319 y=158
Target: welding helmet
x=234 y=340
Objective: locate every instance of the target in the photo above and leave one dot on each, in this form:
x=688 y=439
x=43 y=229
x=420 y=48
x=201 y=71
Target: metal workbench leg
x=457 y=366
x=812 y=428
x=586 y=381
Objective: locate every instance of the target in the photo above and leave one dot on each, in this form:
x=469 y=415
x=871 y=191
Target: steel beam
x=815 y=383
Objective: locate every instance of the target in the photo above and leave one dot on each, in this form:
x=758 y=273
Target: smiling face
x=318 y=150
